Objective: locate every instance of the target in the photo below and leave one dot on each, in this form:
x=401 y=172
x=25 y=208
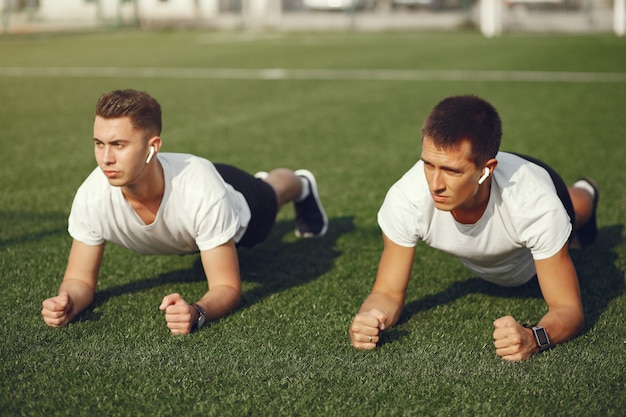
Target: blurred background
x=492 y=17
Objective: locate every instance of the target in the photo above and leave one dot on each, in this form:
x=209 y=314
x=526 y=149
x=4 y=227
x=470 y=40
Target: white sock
x=585 y=186
x=306 y=189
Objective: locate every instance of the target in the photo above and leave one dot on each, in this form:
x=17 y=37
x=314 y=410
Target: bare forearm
x=80 y=293
x=391 y=307
x=560 y=288
x=563 y=323
x=219 y=301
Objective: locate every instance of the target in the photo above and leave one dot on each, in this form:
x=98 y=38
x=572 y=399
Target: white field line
x=315 y=74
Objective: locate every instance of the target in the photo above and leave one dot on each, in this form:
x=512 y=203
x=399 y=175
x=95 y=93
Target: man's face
x=451 y=175
x=120 y=150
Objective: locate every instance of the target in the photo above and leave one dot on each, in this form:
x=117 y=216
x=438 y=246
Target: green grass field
x=285 y=352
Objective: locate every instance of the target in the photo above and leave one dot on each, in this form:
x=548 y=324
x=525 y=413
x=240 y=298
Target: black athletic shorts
x=261 y=199
x=559 y=184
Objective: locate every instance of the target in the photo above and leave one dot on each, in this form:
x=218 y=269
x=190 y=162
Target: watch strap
x=201 y=317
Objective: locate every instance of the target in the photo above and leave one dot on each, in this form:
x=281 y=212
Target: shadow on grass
x=283 y=261
x=600 y=282
x=600 y=279
x=29 y=226
x=275 y=265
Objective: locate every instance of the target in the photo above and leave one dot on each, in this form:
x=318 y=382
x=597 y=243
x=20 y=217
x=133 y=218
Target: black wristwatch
x=201 y=318
x=541 y=337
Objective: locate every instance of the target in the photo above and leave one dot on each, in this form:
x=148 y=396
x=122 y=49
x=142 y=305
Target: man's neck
x=146 y=194
x=474 y=209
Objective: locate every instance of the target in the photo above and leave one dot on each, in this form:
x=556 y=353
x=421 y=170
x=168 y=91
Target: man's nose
x=107 y=155
x=436 y=181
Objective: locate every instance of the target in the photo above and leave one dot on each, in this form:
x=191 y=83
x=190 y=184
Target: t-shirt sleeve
x=198 y=209
x=397 y=218
x=216 y=222
x=545 y=231
x=80 y=223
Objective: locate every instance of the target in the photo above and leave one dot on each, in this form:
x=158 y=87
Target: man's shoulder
x=414 y=173
x=92 y=202
x=191 y=175
x=410 y=193
x=181 y=162
x=95 y=184
x=413 y=184
x=182 y=158
x=523 y=186
x=516 y=173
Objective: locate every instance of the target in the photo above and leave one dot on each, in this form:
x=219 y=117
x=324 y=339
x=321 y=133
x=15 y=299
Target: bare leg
x=584 y=195
x=301 y=188
x=286 y=184
x=582 y=200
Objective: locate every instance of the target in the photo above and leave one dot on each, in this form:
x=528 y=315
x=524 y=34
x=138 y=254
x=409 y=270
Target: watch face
x=542 y=337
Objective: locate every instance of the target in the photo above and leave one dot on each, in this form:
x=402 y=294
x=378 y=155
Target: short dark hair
x=143 y=110
x=465 y=117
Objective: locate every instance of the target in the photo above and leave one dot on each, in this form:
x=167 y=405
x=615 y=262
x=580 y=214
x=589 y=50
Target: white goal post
x=619 y=17
x=491 y=16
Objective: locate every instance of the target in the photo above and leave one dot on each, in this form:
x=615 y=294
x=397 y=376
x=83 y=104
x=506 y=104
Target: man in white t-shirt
x=165 y=203
x=507 y=217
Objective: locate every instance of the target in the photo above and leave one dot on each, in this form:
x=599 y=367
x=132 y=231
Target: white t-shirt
x=199 y=211
x=524 y=221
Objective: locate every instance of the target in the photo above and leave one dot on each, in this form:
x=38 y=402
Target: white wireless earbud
x=150 y=155
x=484 y=176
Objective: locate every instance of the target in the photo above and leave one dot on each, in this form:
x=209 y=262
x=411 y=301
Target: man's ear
x=156 y=142
x=491 y=164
